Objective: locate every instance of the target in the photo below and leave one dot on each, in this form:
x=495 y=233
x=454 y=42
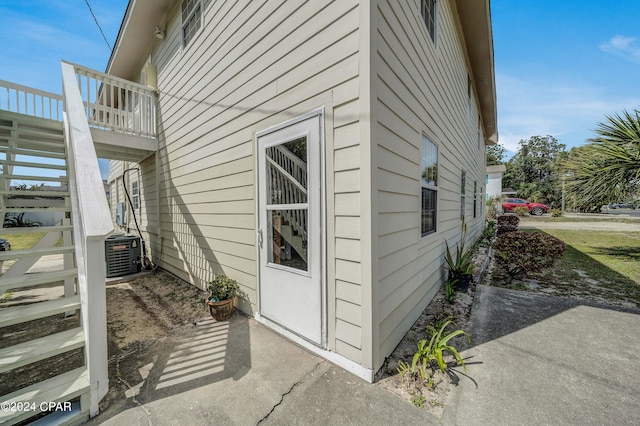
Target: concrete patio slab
x=544 y=360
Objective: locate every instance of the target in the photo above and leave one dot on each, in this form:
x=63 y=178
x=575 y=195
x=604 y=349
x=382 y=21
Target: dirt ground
x=140 y=314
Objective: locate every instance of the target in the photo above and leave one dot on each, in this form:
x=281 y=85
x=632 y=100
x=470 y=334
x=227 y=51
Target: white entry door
x=289 y=227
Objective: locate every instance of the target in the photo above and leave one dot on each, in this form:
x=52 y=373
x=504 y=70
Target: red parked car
x=537 y=209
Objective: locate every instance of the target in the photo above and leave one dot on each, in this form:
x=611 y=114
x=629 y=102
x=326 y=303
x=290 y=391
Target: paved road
x=591 y=223
x=623 y=212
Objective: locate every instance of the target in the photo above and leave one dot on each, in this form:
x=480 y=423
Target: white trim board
x=353 y=367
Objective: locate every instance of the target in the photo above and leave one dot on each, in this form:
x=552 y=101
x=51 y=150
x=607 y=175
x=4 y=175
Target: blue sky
x=561 y=66
x=36 y=35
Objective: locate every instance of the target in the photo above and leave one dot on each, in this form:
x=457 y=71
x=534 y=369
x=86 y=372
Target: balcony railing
x=29 y=101
x=110 y=103
x=116 y=104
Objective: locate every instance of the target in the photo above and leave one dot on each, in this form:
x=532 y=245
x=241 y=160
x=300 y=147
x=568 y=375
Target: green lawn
x=603 y=266
x=22 y=241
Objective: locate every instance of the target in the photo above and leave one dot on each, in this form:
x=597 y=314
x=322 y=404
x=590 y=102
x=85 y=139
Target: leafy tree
x=607 y=169
x=495 y=154
x=534 y=172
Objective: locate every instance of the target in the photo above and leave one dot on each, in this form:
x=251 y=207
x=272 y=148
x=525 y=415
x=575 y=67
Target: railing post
x=92 y=224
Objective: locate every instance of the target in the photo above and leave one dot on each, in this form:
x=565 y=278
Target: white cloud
x=540 y=106
x=622 y=46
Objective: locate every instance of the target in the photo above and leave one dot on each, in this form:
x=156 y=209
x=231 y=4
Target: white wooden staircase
x=35 y=300
x=288 y=173
x=53 y=318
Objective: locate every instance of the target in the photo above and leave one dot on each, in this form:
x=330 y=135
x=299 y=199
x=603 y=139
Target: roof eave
x=136 y=36
x=475 y=20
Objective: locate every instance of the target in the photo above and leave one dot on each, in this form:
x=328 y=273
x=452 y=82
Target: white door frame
x=319 y=113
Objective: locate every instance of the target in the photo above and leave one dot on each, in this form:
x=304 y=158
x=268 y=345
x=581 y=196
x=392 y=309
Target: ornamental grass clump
x=519 y=253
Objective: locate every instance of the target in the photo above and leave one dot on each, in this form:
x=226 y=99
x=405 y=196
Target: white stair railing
x=29 y=101
x=291 y=189
x=92 y=224
x=116 y=104
x=291 y=163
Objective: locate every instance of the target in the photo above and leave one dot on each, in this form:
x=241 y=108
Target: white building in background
x=494 y=180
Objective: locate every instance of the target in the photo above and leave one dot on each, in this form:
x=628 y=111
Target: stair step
x=75 y=416
x=34 y=209
x=17 y=254
x=35 y=229
x=57 y=389
x=36 y=165
x=24 y=313
x=35 y=144
x=39 y=278
x=36 y=178
x=40 y=132
x=43 y=129
x=35 y=193
x=296 y=241
x=32 y=153
x=34 y=121
x=30 y=121
x=41 y=348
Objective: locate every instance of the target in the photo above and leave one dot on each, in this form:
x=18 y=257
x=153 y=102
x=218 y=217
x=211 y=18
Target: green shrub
x=223 y=288
x=522 y=252
x=489 y=230
x=430 y=355
x=450 y=290
x=520 y=211
x=433 y=351
x=508 y=223
x=557 y=213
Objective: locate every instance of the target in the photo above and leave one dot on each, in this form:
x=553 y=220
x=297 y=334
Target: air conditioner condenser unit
x=123 y=255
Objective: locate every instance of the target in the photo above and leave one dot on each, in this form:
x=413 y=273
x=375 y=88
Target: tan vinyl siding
x=348 y=249
x=253 y=65
x=421 y=88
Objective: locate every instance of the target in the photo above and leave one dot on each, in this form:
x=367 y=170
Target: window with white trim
x=469 y=100
x=191 y=20
x=428 y=12
x=463 y=200
x=475 y=199
x=135 y=197
x=429 y=183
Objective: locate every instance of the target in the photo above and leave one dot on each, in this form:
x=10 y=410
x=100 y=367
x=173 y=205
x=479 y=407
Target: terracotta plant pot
x=221 y=311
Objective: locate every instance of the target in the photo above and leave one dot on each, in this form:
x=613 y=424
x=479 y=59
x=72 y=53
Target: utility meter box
x=123 y=255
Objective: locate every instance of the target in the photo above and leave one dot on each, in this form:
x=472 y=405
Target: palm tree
x=607 y=168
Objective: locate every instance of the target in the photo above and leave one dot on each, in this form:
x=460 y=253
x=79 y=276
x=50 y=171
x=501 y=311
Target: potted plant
x=460 y=266
x=223 y=291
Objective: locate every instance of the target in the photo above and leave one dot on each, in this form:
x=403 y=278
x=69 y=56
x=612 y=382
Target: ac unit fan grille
x=122 y=255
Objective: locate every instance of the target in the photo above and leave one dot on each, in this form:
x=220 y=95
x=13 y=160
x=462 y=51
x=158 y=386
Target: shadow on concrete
x=193 y=359
x=505 y=311
x=208 y=352
x=537 y=357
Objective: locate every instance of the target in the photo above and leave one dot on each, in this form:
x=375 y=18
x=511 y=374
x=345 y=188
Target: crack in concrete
x=293 y=386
